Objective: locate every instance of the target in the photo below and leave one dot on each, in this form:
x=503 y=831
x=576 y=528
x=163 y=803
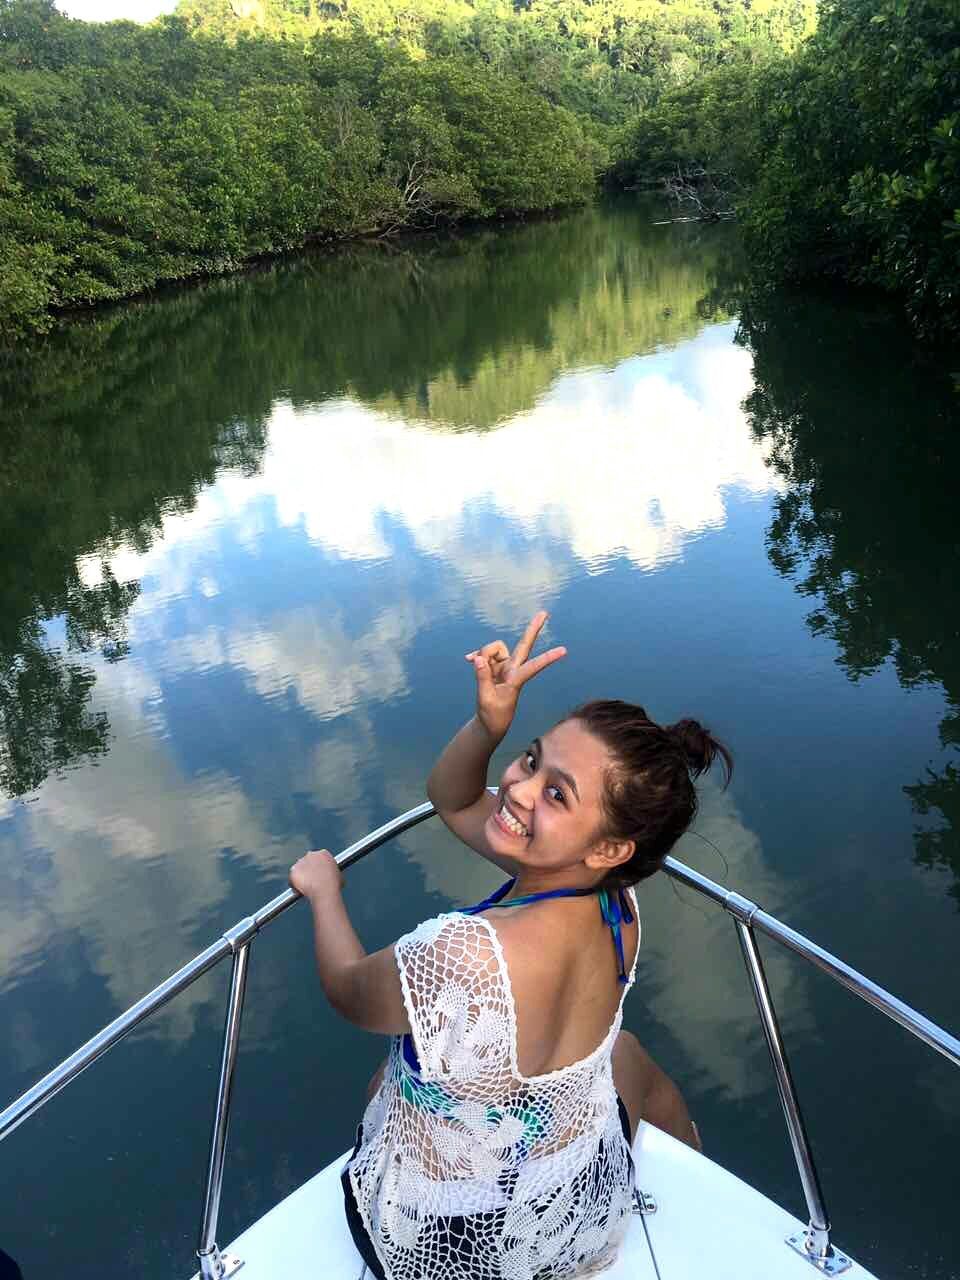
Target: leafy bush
x=843 y=158
x=132 y=155
x=864 y=178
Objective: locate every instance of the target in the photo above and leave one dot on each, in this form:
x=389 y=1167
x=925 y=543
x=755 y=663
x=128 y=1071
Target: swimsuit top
x=614 y=907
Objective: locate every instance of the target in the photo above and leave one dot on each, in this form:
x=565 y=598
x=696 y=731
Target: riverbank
x=249 y=150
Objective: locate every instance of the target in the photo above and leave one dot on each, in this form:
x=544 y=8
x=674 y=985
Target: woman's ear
x=609 y=854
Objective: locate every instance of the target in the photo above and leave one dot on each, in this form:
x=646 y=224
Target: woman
x=496 y=1140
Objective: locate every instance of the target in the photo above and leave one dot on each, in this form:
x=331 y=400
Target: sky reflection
x=296 y=596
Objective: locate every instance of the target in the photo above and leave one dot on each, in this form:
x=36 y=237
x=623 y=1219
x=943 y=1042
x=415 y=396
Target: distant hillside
x=600 y=58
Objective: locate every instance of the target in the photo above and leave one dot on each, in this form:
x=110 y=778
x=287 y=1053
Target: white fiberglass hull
x=708 y=1225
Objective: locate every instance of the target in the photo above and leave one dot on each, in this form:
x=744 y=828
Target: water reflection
x=213 y=554
x=75 y=489
x=249 y=531
x=630 y=464
x=865 y=525
x=129 y=862
x=114 y=431
x=245 y=621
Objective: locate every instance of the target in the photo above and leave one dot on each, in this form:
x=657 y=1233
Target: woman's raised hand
x=502 y=674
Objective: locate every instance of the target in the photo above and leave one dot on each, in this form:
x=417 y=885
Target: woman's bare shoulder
x=547 y=943
x=537 y=939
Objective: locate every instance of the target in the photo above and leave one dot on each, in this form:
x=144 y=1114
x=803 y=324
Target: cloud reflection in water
x=295 y=598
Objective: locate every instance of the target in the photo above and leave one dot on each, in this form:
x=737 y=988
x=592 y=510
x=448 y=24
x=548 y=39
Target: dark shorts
x=457 y=1229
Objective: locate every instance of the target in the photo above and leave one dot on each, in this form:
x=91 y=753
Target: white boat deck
x=708 y=1225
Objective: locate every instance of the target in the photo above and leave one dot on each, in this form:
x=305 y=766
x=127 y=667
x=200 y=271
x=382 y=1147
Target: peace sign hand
x=502 y=674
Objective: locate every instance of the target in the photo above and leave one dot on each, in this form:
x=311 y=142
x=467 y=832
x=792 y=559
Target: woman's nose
x=522 y=792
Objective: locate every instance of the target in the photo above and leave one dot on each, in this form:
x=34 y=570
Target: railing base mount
x=643 y=1202
x=834 y=1264
x=227 y=1264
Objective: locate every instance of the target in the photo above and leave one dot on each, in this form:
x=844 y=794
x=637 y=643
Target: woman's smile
x=508 y=821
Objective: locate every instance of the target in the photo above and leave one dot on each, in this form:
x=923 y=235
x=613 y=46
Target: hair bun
x=699 y=747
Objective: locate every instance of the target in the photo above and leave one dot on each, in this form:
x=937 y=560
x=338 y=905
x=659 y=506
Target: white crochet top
x=467 y=1169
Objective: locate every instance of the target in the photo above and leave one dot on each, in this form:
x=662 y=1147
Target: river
x=248 y=532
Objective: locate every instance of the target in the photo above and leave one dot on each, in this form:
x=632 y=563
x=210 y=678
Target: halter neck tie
x=614 y=908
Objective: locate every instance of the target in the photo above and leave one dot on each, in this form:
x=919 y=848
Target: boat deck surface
x=708 y=1225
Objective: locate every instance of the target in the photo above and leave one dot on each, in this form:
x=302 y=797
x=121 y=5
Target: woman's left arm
x=364 y=989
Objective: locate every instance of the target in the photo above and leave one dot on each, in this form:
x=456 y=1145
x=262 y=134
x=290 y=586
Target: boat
x=692 y=1219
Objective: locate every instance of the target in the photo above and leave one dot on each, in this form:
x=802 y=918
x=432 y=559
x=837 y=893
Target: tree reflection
x=462 y=330
x=868 y=440
x=100 y=440
x=938 y=848
x=45 y=716
x=46 y=723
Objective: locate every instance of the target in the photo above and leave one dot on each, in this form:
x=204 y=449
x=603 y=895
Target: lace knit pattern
x=469 y=1170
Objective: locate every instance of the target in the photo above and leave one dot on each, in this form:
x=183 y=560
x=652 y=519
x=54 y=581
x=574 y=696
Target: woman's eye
x=529 y=759
x=556 y=794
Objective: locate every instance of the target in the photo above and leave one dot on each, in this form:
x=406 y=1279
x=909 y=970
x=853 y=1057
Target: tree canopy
x=842 y=158
x=132 y=156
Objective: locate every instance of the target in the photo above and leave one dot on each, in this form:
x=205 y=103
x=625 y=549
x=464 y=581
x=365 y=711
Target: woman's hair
x=648 y=794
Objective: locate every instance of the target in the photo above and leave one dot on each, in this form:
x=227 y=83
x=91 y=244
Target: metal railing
x=814 y=1243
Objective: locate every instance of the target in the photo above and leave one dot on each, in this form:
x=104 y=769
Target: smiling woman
x=497 y=1136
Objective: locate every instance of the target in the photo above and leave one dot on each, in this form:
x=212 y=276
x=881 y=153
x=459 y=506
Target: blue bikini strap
x=615 y=909
x=496 y=898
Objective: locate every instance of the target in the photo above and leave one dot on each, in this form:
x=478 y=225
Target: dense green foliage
x=600 y=58
x=133 y=155
x=864 y=178
x=709 y=126
x=843 y=159
x=130 y=155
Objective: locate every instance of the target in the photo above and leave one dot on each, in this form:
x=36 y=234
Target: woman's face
x=549 y=814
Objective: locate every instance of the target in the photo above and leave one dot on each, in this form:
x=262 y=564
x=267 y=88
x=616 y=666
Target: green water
x=247 y=533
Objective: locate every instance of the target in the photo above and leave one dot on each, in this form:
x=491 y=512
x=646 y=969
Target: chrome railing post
x=213 y=1265
x=817 y=1243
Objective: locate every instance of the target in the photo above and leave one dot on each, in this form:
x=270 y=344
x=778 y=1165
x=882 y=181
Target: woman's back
x=494 y=1146
x=563 y=975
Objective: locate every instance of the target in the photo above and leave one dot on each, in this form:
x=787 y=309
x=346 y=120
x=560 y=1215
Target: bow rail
x=748 y=916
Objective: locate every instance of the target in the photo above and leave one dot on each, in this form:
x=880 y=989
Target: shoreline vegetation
x=134 y=157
